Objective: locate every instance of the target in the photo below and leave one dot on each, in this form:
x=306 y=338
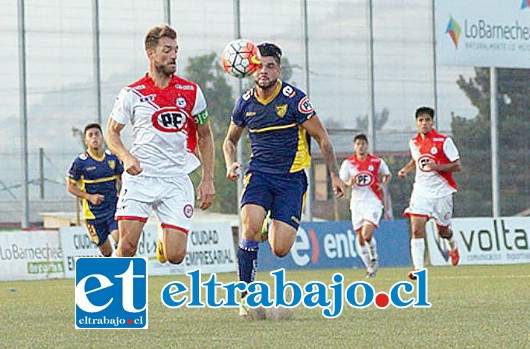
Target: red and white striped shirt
x=439 y=149
x=365 y=174
x=164 y=129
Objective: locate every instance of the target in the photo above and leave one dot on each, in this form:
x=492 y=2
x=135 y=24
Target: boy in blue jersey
x=95 y=177
x=280 y=119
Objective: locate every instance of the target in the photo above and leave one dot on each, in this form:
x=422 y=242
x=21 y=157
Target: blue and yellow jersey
x=279 y=144
x=97 y=176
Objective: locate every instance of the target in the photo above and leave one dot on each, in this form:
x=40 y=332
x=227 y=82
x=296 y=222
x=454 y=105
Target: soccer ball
x=240 y=58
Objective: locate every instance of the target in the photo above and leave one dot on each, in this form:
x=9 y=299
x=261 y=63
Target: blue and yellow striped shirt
x=97 y=176
x=278 y=143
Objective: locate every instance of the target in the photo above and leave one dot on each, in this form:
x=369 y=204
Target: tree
x=380 y=120
x=207 y=72
x=472 y=137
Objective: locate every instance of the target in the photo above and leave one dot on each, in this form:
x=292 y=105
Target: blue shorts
x=282 y=194
x=99 y=230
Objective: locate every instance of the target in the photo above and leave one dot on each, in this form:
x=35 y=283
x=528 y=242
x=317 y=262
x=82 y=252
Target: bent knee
x=280 y=252
x=175 y=258
x=445 y=232
x=418 y=233
x=126 y=249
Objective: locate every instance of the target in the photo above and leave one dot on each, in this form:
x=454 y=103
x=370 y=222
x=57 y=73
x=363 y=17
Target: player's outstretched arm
x=229 y=151
x=316 y=130
x=115 y=145
x=206 y=189
x=385 y=180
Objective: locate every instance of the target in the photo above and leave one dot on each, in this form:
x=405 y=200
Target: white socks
x=452 y=242
x=417 y=250
x=364 y=253
x=372 y=248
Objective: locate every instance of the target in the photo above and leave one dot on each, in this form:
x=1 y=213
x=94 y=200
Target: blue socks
x=247 y=258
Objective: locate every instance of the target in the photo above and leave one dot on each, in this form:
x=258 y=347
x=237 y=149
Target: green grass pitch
x=472 y=307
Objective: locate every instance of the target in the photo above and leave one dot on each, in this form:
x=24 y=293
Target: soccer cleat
x=243 y=308
x=411 y=275
x=372 y=268
x=374 y=265
x=160 y=252
x=370 y=274
x=455 y=256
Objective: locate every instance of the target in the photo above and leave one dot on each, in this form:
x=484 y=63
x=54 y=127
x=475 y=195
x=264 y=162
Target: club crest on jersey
x=169 y=119
x=281 y=110
x=370 y=168
x=363 y=179
x=112 y=164
x=305 y=106
x=188 y=210
x=424 y=160
x=181 y=102
x=434 y=151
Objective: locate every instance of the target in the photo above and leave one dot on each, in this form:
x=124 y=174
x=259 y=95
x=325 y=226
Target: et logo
x=111 y=293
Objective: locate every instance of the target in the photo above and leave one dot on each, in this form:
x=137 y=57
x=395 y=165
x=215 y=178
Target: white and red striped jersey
x=164 y=129
x=439 y=149
x=365 y=175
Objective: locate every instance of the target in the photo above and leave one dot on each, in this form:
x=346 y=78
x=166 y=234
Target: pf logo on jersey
x=305 y=106
x=363 y=179
x=424 y=160
x=169 y=119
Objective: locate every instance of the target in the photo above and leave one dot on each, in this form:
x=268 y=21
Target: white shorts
x=363 y=213
x=172 y=200
x=440 y=209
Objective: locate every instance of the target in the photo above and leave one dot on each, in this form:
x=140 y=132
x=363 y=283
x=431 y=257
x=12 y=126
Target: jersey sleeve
x=76 y=170
x=119 y=166
x=122 y=111
x=450 y=150
x=238 y=117
x=200 y=112
x=304 y=109
x=344 y=172
x=413 y=150
x=383 y=168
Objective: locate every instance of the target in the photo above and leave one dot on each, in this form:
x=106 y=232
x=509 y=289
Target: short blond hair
x=154 y=35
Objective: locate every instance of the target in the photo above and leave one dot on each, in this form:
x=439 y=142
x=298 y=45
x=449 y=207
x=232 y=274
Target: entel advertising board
x=330 y=245
x=503 y=240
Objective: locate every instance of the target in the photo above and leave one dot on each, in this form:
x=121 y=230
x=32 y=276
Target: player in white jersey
x=169 y=119
x=435 y=158
x=362 y=171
